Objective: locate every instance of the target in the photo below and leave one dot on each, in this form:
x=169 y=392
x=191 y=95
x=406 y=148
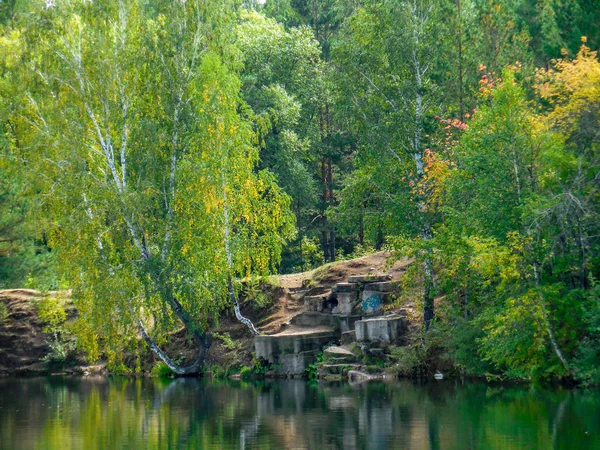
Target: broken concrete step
x=372 y=301
x=347 y=302
x=296 y=342
x=339 y=355
x=337 y=351
x=347 y=360
x=346 y=322
x=292 y=352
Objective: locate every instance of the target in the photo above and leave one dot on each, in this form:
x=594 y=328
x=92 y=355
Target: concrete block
x=347 y=302
x=292 y=352
x=372 y=301
x=386 y=329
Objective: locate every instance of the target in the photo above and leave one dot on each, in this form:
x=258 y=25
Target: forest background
x=153 y=152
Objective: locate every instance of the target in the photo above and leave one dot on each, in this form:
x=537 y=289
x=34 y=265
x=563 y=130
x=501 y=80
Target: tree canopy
x=154 y=152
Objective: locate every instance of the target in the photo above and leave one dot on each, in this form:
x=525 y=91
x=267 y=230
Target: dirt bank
x=24 y=344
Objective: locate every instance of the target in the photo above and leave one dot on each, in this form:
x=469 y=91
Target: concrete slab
x=384 y=286
x=346 y=287
x=347 y=302
x=367 y=278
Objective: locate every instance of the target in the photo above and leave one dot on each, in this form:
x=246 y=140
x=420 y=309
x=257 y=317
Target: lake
x=63 y=413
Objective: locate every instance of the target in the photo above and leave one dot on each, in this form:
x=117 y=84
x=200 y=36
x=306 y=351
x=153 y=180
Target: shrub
x=53 y=316
x=160 y=369
x=227 y=341
x=312 y=255
x=246 y=373
x=585 y=365
x=312 y=370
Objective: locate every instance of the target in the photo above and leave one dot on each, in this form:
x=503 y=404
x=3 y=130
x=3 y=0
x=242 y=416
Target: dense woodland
x=153 y=152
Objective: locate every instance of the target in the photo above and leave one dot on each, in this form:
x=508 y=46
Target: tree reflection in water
x=114 y=413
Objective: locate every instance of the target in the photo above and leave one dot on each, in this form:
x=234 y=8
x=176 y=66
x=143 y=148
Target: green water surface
x=61 y=413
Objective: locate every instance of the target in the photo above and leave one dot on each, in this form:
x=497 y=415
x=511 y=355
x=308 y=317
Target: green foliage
x=254 y=290
x=515 y=336
x=152 y=195
x=586 y=366
x=246 y=373
x=311 y=254
x=161 y=370
x=260 y=367
x=152 y=151
x=53 y=316
x=227 y=341
x=312 y=370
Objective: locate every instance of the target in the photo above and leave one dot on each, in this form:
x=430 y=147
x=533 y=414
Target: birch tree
x=387 y=58
x=149 y=168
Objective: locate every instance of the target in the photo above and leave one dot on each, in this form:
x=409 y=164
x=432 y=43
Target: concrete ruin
x=350 y=311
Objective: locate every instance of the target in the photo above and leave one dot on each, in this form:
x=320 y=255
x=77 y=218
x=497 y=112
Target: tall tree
x=153 y=188
x=386 y=57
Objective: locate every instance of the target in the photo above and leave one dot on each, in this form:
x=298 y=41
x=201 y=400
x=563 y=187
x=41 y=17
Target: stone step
x=337 y=369
x=337 y=351
x=347 y=302
x=319 y=290
x=313 y=319
x=297 y=294
x=348 y=337
x=338 y=355
x=347 y=321
x=342 y=360
x=371 y=302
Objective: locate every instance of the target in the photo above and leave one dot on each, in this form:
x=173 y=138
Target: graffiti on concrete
x=372 y=304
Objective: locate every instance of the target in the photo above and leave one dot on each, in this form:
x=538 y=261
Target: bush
x=246 y=373
x=312 y=256
x=408 y=360
x=53 y=316
x=312 y=370
x=227 y=341
x=254 y=290
x=585 y=365
x=261 y=366
x=160 y=369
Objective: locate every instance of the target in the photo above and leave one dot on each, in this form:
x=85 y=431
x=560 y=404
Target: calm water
x=119 y=413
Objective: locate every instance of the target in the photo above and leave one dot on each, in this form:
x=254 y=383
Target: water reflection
x=120 y=413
